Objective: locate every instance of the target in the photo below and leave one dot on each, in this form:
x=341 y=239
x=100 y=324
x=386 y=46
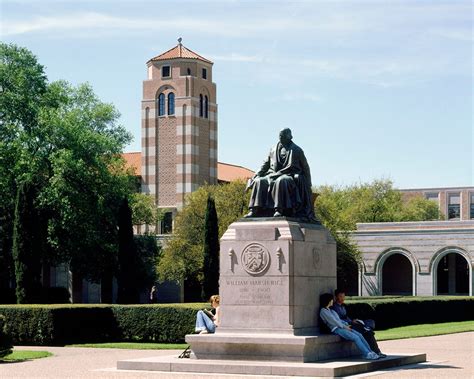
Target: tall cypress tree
x=128 y=291
x=211 y=251
x=26 y=250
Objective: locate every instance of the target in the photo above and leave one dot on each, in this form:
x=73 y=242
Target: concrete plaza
x=449 y=356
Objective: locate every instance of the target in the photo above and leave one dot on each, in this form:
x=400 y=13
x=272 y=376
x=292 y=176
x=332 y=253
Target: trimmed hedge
x=64 y=324
x=401 y=311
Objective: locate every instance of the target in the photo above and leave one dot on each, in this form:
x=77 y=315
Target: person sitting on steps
x=366 y=327
x=205 y=321
x=342 y=328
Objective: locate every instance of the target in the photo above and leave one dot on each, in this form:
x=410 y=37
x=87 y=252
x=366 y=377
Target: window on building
x=161 y=104
x=165 y=71
x=472 y=206
x=454 y=206
x=201 y=106
x=206 y=107
x=189 y=71
x=432 y=196
x=204 y=73
x=170 y=103
x=167 y=223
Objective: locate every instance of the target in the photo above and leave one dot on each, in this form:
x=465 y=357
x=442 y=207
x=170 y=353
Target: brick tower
x=179 y=126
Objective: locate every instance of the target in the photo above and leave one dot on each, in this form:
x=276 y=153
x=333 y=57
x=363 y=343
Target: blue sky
x=371 y=89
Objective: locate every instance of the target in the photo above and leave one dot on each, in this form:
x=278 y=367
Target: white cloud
x=230 y=25
x=99 y=21
x=235 y=57
x=380 y=43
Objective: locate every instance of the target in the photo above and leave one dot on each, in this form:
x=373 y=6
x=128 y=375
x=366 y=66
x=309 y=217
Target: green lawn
x=134 y=345
x=23 y=355
x=424 y=330
x=381 y=335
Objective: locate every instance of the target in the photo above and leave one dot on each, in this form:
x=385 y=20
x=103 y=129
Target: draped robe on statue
x=284 y=182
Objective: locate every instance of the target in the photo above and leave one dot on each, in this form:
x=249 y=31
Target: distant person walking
x=153 y=299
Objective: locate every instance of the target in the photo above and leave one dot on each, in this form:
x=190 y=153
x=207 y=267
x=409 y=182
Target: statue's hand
x=249 y=183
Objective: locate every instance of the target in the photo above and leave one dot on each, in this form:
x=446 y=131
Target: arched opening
x=452 y=275
x=201 y=106
x=397 y=276
x=206 y=107
x=171 y=104
x=161 y=104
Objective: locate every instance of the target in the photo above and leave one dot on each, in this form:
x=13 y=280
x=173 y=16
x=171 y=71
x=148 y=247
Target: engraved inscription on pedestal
x=255 y=259
x=255 y=290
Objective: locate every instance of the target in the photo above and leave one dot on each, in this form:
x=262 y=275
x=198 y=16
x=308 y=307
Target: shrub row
x=394 y=312
x=63 y=324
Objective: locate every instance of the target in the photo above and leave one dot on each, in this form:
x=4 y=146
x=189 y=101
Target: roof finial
x=179 y=40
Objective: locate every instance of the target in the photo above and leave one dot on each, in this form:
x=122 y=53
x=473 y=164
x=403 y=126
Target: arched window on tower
x=170 y=104
x=161 y=104
x=206 y=107
x=201 y=106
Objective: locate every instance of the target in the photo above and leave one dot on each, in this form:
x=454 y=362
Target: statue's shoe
x=277 y=214
x=252 y=213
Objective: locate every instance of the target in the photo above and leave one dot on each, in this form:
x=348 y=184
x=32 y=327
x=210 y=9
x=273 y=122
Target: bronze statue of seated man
x=282 y=186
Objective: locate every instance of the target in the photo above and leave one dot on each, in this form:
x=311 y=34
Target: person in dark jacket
x=364 y=327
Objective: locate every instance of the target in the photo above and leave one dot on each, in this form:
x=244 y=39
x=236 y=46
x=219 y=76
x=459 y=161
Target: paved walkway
x=449 y=356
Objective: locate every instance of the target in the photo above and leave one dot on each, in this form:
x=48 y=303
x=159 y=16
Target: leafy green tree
x=182 y=257
x=66 y=143
x=341 y=208
x=148 y=253
x=417 y=208
x=144 y=210
x=23 y=85
x=127 y=257
x=211 y=251
x=86 y=180
x=26 y=257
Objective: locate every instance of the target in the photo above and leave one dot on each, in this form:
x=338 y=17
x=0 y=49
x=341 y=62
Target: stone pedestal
x=272 y=272
x=271 y=275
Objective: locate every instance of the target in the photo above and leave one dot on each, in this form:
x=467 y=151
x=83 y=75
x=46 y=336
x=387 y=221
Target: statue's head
x=285 y=136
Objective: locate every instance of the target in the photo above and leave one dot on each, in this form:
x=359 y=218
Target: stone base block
x=336 y=368
x=270 y=347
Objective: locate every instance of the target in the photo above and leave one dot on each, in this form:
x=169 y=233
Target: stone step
x=333 y=368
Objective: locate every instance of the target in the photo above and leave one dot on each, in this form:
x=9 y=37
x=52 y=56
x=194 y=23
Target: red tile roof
x=133 y=160
x=179 y=52
x=225 y=172
x=228 y=172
